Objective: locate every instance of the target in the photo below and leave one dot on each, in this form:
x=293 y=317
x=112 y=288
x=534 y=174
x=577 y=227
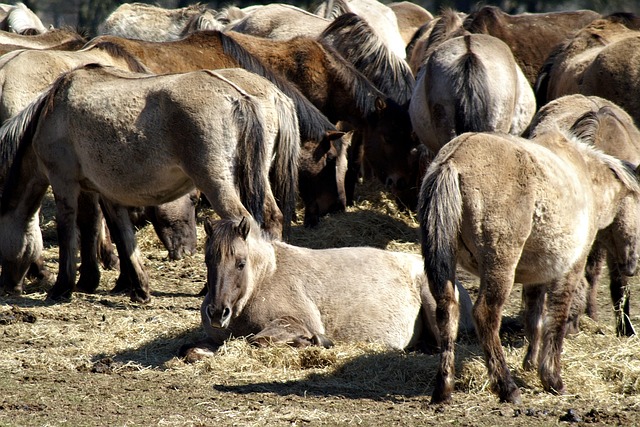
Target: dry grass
x=101 y=360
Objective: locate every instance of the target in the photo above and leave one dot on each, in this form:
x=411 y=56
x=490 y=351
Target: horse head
x=390 y=150
x=234 y=259
x=323 y=166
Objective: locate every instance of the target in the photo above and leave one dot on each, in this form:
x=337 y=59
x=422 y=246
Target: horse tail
x=440 y=216
x=285 y=168
x=470 y=83
x=251 y=154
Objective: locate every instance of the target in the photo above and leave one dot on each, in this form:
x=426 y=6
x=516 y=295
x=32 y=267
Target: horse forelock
x=373 y=58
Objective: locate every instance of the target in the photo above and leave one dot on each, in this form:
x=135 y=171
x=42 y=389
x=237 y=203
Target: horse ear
x=244 y=227
x=208 y=226
x=332 y=135
x=380 y=104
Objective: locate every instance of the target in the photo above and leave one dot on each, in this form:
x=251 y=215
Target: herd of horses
x=513 y=137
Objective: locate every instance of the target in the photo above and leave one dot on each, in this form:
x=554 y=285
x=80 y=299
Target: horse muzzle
x=219 y=318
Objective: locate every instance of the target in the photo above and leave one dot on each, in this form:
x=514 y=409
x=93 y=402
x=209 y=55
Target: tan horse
x=511 y=210
x=273 y=292
x=468 y=83
x=154 y=23
x=280 y=22
x=617 y=135
x=86 y=132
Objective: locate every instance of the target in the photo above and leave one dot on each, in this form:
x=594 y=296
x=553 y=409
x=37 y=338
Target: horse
x=84 y=132
x=320 y=74
x=599 y=60
x=20 y=19
x=154 y=23
x=273 y=292
x=510 y=209
x=618 y=136
x=280 y=22
x=530 y=36
x=468 y=83
x=52 y=38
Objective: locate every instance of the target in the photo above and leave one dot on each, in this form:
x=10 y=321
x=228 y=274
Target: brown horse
x=617 y=135
x=531 y=36
x=601 y=60
x=468 y=83
x=273 y=292
x=511 y=210
x=321 y=74
x=102 y=119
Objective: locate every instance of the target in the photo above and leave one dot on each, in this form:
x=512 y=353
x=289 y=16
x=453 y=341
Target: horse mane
x=389 y=73
x=313 y=124
x=117 y=51
x=230 y=14
x=475 y=22
x=583 y=133
x=628 y=19
x=448 y=24
x=338 y=7
x=541 y=85
x=205 y=20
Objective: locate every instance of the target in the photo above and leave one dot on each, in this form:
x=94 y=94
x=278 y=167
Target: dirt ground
x=100 y=360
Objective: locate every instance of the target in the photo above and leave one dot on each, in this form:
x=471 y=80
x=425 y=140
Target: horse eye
x=240 y=264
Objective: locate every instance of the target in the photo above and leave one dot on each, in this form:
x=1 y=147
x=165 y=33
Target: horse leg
x=20 y=235
x=106 y=250
x=89 y=225
x=273 y=218
x=291 y=331
x=593 y=271
x=559 y=296
x=533 y=297
x=66 y=218
x=447 y=316
x=495 y=287
x=620 y=295
x=133 y=277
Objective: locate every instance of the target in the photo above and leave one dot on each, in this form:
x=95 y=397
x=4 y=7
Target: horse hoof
x=512 y=396
x=59 y=296
x=440 y=399
x=142 y=299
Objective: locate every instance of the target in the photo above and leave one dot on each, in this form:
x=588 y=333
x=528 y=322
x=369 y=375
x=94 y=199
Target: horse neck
x=263 y=261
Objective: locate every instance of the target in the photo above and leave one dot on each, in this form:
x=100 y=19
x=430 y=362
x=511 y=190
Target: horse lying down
x=274 y=292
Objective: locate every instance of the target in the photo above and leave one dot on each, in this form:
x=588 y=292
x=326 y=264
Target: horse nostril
x=210 y=313
x=225 y=313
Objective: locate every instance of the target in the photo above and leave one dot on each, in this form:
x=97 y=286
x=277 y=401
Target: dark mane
x=313 y=124
x=542 y=81
x=448 y=25
x=586 y=126
x=628 y=19
x=389 y=73
x=118 y=51
x=476 y=21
